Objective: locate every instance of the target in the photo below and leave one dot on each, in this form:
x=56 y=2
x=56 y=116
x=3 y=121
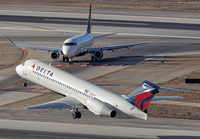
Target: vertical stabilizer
x=144 y=95
x=89 y=21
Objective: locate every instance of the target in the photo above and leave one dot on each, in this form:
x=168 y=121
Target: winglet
x=154 y=37
x=10 y=40
x=89 y=21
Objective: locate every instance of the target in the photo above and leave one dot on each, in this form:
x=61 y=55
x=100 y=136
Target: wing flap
x=63 y=103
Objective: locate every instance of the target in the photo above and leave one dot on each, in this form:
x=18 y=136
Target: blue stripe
x=131 y=100
x=145 y=100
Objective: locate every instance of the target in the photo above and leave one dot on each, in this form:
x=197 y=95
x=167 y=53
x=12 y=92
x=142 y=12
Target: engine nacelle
x=99 y=108
x=98 y=54
x=55 y=55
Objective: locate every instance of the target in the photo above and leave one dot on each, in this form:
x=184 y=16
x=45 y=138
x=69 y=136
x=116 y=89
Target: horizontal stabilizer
x=157 y=98
x=148 y=85
x=172 y=89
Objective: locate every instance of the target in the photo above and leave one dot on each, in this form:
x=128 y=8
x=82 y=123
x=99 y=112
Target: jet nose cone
x=69 y=51
x=19 y=69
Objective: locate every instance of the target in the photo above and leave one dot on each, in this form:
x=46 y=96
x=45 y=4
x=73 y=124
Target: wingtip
x=9 y=39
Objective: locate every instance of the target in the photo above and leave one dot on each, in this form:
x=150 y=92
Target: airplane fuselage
x=75 y=46
x=88 y=94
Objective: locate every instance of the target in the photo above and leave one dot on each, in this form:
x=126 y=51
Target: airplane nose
x=68 y=51
x=19 y=69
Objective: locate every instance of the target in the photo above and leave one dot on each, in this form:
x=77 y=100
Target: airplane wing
x=91 y=50
x=105 y=35
x=63 y=103
x=36 y=47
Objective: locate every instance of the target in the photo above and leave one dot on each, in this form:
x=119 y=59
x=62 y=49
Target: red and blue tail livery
x=145 y=94
x=142 y=96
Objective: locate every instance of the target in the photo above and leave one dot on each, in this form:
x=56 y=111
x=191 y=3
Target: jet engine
x=97 y=54
x=55 y=55
x=99 y=108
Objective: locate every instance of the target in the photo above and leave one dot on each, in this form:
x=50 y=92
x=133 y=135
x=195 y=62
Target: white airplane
x=79 y=45
x=79 y=93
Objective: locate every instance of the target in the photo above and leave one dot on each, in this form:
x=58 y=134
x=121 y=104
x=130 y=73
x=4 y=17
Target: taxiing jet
x=79 y=93
x=79 y=45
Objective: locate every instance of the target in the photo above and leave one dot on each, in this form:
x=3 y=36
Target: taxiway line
x=10 y=52
x=11 y=84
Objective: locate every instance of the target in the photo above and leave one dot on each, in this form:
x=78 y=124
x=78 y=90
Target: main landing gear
x=76 y=114
x=67 y=59
x=93 y=58
x=24 y=84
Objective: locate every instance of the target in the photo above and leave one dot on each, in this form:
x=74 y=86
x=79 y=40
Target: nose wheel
x=24 y=84
x=65 y=58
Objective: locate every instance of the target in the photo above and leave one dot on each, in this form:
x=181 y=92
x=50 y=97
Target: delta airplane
x=79 y=45
x=79 y=93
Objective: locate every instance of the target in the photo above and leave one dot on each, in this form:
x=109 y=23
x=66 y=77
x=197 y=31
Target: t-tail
x=89 y=21
x=143 y=95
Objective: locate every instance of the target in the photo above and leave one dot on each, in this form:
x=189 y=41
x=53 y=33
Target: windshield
x=70 y=44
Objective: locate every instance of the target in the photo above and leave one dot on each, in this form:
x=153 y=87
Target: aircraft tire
x=24 y=84
x=74 y=115
x=78 y=114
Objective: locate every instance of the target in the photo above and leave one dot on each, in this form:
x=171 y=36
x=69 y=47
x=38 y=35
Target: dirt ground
x=164 y=5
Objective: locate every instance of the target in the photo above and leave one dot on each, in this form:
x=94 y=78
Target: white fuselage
x=73 y=46
x=67 y=84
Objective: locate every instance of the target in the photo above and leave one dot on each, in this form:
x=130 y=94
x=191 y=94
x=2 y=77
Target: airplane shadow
x=124 y=60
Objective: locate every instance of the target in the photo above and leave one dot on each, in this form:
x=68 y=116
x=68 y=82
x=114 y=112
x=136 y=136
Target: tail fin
x=143 y=95
x=89 y=21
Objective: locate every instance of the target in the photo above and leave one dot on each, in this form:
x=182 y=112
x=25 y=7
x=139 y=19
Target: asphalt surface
x=99 y=22
x=176 y=39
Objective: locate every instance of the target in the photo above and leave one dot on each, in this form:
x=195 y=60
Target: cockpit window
x=23 y=64
x=70 y=44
